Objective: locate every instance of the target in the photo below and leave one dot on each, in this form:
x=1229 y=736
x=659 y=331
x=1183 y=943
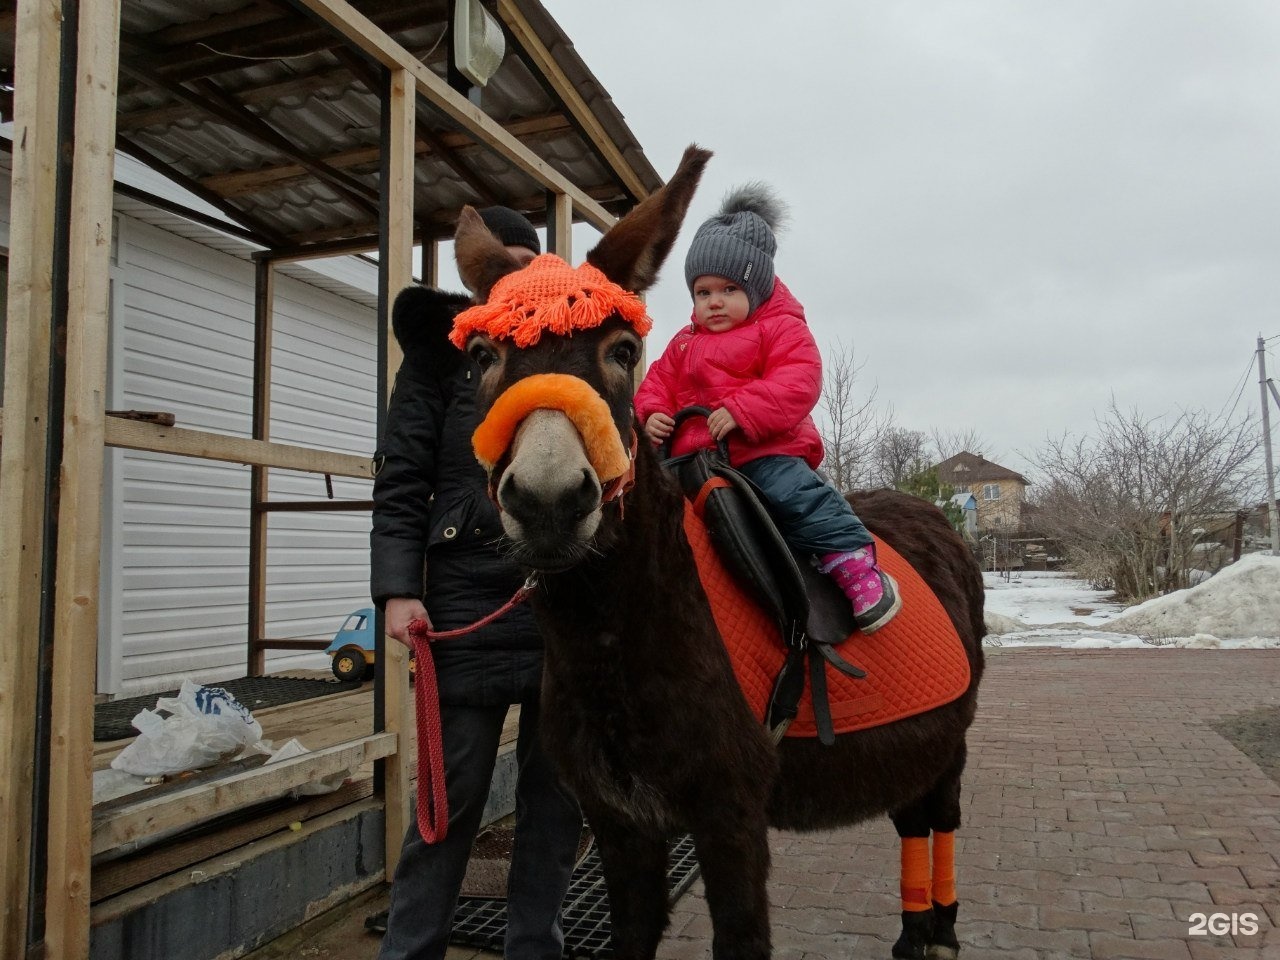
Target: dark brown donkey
x=640 y=708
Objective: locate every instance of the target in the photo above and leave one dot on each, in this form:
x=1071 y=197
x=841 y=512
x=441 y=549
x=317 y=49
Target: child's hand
x=659 y=427
x=721 y=423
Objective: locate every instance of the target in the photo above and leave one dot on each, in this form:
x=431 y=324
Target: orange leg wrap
x=944 y=868
x=915 y=873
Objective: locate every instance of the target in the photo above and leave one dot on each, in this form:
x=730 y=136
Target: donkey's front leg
x=732 y=841
x=635 y=872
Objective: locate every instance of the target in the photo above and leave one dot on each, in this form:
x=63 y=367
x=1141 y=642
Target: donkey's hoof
x=917 y=932
x=943 y=944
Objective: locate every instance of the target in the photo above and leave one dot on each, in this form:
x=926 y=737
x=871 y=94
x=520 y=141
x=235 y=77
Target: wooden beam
x=267 y=235
x=259 y=476
x=195 y=216
x=350 y=23
x=247 y=182
x=288 y=643
x=545 y=63
x=135 y=435
x=482 y=190
x=397 y=273
x=289 y=38
x=431 y=263
x=315 y=506
x=183 y=808
x=253 y=94
x=560 y=225
x=438 y=224
x=225 y=109
x=75 y=627
x=168 y=114
x=37 y=42
x=116 y=876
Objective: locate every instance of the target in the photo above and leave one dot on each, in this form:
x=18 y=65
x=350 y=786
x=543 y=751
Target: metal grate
x=482 y=921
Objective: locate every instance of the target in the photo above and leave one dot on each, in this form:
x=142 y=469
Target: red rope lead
x=433 y=799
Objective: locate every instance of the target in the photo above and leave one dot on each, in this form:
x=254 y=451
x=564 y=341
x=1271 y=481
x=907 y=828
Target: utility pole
x=1263 y=383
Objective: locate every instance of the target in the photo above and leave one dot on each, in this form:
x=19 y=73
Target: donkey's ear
x=633 y=250
x=482 y=259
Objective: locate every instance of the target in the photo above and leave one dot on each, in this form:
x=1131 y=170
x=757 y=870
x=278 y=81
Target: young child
x=748 y=356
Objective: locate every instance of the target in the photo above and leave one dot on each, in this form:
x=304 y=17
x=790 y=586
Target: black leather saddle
x=811 y=613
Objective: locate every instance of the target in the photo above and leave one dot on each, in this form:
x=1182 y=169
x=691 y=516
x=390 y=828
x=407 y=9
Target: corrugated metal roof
x=264 y=113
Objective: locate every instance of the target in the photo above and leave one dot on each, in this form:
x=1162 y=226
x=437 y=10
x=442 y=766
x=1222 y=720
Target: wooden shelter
x=317 y=127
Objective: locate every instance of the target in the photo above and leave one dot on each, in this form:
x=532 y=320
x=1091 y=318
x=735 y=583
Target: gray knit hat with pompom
x=738 y=242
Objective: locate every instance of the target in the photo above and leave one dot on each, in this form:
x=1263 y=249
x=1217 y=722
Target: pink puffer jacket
x=767 y=372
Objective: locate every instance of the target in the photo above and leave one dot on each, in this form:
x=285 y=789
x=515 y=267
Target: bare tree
x=947 y=443
x=851 y=423
x=1131 y=504
x=900 y=454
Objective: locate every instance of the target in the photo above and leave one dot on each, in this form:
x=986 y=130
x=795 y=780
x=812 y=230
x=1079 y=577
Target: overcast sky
x=1010 y=210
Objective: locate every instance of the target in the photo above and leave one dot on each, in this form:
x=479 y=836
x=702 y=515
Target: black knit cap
x=512 y=228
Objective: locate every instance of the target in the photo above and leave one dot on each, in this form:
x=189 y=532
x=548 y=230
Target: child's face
x=719 y=304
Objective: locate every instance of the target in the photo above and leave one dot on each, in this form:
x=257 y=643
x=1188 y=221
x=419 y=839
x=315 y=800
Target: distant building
x=967 y=504
x=998 y=492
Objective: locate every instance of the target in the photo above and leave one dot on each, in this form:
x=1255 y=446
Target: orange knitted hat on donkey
x=549 y=295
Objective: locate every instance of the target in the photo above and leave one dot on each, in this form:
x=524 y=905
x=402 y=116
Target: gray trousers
x=424 y=893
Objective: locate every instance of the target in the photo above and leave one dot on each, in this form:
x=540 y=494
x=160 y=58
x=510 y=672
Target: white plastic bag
x=207 y=724
x=294 y=748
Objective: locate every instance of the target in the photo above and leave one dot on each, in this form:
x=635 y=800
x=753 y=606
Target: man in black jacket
x=433 y=547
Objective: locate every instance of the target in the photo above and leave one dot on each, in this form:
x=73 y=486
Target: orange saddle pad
x=914 y=663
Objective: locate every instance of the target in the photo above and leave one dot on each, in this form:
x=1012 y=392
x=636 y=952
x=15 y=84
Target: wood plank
x=545 y=63
x=264 y=285
x=183 y=442
x=151 y=817
x=560 y=225
x=398 y=273
x=33 y=187
x=247 y=182
x=227 y=111
x=349 y=22
x=315 y=506
x=116 y=876
x=75 y=626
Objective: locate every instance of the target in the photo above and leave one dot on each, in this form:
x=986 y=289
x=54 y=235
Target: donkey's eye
x=482 y=355
x=626 y=353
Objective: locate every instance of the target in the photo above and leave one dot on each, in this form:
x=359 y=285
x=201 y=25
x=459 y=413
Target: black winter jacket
x=434 y=528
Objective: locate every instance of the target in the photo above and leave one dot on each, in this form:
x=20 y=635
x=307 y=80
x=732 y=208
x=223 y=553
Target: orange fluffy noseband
x=585 y=409
x=549 y=295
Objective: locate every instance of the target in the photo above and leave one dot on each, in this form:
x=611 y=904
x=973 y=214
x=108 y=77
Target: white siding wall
x=184 y=344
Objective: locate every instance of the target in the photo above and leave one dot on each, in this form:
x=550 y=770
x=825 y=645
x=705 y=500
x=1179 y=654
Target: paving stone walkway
x=1102 y=812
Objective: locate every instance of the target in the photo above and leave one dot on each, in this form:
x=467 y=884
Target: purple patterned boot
x=873 y=592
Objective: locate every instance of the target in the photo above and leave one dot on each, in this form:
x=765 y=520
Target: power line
x=1244 y=380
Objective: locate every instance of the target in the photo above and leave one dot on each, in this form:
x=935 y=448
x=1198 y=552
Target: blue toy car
x=352 y=647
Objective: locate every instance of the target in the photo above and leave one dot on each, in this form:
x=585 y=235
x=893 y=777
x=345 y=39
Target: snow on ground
x=1237 y=608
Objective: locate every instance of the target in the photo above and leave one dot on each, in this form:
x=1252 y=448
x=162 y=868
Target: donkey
x=641 y=712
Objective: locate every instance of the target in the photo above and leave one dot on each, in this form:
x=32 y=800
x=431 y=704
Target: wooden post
x=396 y=264
x=259 y=476
x=431 y=263
x=23 y=471
x=560 y=225
x=80 y=485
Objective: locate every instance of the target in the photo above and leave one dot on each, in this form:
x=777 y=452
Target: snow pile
x=998 y=623
x=1241 y=601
